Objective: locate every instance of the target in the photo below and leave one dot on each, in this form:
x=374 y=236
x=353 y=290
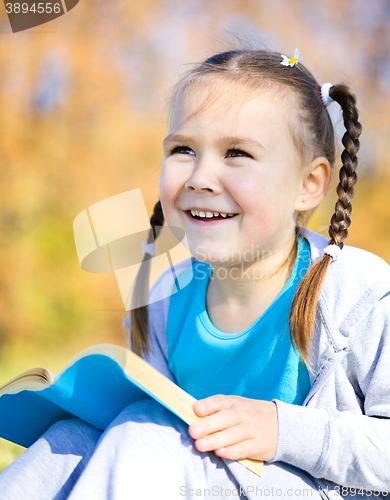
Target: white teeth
x=209 y=215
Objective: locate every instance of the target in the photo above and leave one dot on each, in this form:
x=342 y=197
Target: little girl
x=281 y=334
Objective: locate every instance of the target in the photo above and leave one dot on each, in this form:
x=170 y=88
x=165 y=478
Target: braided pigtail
x=303 y=308
x=139 y=319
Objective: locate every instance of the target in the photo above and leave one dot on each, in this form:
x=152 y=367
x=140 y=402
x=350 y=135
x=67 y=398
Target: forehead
x=223 y=95
x=233 y=106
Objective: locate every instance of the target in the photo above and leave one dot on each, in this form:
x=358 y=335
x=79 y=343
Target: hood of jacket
x=354 y=282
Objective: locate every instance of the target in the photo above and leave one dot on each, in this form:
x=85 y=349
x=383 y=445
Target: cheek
x=164 y=188
x=168 y=189
x=252 y=192
x=264 y=199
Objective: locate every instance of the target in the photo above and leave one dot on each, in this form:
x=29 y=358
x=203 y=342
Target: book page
x=34 y=380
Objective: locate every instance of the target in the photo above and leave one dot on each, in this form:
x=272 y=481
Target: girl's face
x=232 y=159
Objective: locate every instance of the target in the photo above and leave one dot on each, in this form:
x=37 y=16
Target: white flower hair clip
x=292 y=61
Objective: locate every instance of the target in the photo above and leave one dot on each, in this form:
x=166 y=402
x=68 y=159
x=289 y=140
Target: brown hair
x=313 y=136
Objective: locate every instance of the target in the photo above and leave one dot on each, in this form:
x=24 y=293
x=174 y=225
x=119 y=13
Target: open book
x=95 y=386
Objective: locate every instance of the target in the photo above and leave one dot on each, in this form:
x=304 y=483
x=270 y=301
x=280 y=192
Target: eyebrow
x=183 y=139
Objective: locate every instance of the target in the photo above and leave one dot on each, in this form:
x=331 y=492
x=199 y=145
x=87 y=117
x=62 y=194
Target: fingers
x=235 y=427
x=214 y=423
x=243 y=449
x=225 y=437
x=212 y=404
x=227 y=443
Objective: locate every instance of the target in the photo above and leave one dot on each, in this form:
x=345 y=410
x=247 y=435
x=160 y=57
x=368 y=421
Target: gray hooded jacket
x=341 y=433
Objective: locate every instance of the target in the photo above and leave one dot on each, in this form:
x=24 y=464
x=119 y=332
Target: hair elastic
x=333 y=251
x=150 y=248
x=326 y=99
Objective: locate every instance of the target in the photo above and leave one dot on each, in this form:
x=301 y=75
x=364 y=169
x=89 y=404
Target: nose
x=203 y=178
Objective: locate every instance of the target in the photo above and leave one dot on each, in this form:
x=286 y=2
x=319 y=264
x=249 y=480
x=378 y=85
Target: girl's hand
x=235 y=427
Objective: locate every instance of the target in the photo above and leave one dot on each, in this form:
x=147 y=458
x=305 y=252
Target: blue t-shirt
x=257 y=363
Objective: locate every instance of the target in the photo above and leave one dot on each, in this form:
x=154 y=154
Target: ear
x=315 y=184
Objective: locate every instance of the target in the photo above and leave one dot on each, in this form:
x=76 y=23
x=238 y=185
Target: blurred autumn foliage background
x=82 y=119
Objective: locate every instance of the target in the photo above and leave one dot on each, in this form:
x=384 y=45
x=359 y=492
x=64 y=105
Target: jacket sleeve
x=346 y=448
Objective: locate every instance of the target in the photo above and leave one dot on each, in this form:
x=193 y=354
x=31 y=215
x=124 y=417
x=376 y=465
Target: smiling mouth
x=210 y=219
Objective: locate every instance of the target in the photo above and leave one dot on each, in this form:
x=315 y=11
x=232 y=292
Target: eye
x=182 y=150
x=237 y=153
